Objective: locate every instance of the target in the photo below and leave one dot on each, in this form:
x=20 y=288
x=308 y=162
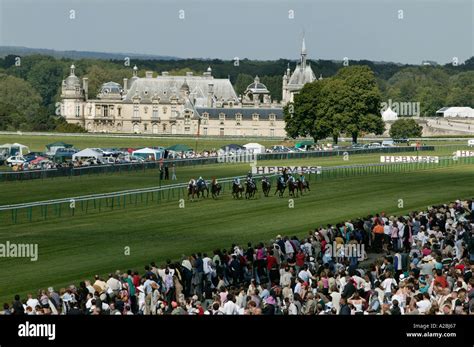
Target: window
x=155 y=112
x=119 y=111
x=187 y=129
x=221 y=131
x=205 y=118
x=187 y=119
x=272 y=132
x=135 y=111
x=164 y=128
x=204 y=131
x=165 y=109
x=78 y=110
x=221 y=118
x=255 y=117
x=105 y=111
x=146 y=127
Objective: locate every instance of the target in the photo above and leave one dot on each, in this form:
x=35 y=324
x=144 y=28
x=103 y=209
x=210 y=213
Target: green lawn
x=63 y=187
x=75 y=248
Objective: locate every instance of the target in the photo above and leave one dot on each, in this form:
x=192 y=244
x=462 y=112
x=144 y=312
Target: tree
x=358 y=105
x=19 y=104
x=405 y=128
x=307 y=116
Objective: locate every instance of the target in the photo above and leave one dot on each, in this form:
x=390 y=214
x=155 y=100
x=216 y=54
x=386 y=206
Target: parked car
x=402 y=140
x=373 y=145
x=15 y=160
x=388 y=143
x=470 y=143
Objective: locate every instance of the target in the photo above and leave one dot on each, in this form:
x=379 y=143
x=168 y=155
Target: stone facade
x=181 y=105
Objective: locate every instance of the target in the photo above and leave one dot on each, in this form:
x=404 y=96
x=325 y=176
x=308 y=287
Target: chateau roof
x=165 y=87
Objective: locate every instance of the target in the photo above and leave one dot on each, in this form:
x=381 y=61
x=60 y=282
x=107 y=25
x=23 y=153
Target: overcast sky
x=257 y=29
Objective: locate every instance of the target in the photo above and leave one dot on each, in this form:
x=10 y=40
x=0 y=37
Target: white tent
x=256 y=148
x=389 y=115
x=462 y=112
x=14 y=149
x=147 y=153
x=87 y=153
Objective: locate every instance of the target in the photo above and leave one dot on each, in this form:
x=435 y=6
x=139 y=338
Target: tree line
x=30 y=86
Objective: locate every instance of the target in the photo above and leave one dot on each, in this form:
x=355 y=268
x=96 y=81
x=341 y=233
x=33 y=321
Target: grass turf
x=75 y=248
x=62 y=187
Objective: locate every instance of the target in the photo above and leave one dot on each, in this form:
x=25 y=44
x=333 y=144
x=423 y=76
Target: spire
x=73 y=68
x=135 y=71
x=303 y=54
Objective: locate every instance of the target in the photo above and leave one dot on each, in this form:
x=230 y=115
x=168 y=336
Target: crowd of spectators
x=420 y=263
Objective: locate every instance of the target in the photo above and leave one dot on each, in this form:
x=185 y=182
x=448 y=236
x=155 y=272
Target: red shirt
x=300 y=259
x=271 y=262
x=441 y=281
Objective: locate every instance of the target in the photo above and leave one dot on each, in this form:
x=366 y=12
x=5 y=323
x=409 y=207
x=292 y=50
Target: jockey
x=291 y=179
x=264 y=179
x=192 y=182
x=302 y=177
x=201 y=182
x=281 y=180
x=237 y=181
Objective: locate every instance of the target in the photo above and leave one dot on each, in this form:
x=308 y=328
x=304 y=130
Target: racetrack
x=74 y=248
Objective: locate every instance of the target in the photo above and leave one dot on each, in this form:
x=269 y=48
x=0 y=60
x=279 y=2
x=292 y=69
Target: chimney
x=125 y=82
x=149 y=74
x=85 y=86
x=210 y=94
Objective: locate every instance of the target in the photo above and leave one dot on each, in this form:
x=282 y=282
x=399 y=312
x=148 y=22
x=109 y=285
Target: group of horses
x=248 y=190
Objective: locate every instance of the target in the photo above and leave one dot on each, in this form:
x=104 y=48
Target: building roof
x=256 y=87
x=165 y=87
x=246 y=112
x=301 y=76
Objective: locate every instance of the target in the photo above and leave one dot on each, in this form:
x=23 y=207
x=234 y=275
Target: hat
x=174 y=304
x=278 y=236
x=402 y=277
x=427 y=258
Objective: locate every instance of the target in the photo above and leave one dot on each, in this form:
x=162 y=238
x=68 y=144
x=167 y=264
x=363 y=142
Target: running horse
x=237 y=190
x=215 y=188
x=266 y=186
x=281 y=186
x=201 y=188
x=302 y=186
x=292 y=188
x=192 y=190
x=250 y=190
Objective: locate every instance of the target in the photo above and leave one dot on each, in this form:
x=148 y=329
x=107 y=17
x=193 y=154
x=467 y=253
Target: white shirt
x=32 y=303
x=387 y=284
x=206 y=265
x=230 y=308
x=423 y=306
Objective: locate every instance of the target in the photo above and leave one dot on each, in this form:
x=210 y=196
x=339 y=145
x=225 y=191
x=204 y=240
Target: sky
x=404 y=31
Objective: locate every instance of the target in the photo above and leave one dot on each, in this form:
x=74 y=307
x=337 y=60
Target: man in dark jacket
x=345 y=309
x=18 y=308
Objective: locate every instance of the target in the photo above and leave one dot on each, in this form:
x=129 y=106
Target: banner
x=269 y=170
x=409 y=159
x=462 y=154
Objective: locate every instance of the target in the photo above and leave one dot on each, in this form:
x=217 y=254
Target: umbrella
x=179 y=148
x=37 y=160
x=304 y=143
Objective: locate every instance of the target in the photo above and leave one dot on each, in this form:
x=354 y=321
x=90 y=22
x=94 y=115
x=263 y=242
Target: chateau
x=181 y=105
